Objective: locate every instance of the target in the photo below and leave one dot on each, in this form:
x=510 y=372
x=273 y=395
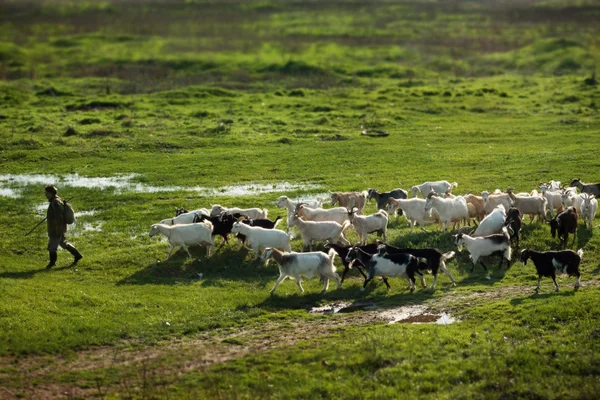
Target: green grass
x=234 y=93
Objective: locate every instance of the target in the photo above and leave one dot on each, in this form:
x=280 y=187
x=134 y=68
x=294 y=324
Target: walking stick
x=45 y=218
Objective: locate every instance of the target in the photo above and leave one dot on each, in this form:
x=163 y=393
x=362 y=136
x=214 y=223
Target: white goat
x=535 y=205
x=570 y=198
x=321 y=230
x=450 y=210
x=252 y=213
x=438 y=187
x=261 y=238
x=553 y=198
x=186 y=234
x=414 y=211
x=493 y=223
x=370 y=223
x=492 y=200
x=285 y=202
x=589 y=207
x=295 y=265
x=338 y=214
x=484 y=246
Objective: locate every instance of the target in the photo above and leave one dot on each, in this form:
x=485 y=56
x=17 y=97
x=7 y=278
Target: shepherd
x=57 y=227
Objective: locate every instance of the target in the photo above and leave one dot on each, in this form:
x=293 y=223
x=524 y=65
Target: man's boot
x=53 y=257
x=74 y=252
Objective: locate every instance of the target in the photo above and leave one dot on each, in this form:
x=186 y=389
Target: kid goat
x=368 y=224
x=563 y=224
x=551 y=262
x=294 y=265
x=382 y=198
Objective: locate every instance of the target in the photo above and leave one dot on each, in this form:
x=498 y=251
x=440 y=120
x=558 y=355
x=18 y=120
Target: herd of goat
x=498 y=217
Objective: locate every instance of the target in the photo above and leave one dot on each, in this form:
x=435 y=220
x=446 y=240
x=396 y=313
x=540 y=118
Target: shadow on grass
x=228 y=264
x=31 y=273
x=543 y=296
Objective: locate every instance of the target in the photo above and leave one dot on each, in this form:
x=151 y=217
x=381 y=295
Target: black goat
x=382 y=198
x=586 y=187
x=179 y=211
x=387 y=265
x=221 y=225
x=343 y=251
x=434 y=259
x=551 y=262
x=565 y=223
x=514 y=221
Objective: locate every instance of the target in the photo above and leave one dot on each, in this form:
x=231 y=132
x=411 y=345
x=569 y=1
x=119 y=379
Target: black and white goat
x=550 y=263
x=484 y=246
x=514 y=222
x=434 y=260
x=221 y=225
x=563 y=224
x=342 y=251
x=382 y=198
x=387 y=265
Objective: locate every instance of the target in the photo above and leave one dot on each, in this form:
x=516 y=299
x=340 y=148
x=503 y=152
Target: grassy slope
x=483 y=131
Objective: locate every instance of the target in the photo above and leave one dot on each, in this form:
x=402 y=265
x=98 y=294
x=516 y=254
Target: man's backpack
x=69 y=213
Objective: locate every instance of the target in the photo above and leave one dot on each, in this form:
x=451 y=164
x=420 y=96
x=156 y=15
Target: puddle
x=9 y=185
x=6 y=192
x=43 y=207
x=414 y=314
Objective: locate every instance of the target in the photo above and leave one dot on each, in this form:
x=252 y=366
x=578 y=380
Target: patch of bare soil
x=132 y=368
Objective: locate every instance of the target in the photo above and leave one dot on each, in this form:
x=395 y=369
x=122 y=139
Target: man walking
x=57 y=227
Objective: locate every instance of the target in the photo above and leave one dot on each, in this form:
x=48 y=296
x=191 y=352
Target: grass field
x=138 y=107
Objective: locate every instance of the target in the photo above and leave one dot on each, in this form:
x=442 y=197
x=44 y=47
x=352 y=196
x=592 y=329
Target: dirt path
x=144 y=367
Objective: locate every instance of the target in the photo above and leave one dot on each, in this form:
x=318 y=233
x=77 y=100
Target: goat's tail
x=446 y=256
x=265 y=213
x=580 y=253
x=277 y=221
x=332 y=253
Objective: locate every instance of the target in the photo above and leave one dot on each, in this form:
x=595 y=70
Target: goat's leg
x=412 y=283
x=422 y=279
x=367 y=280
x=385 y=280
x=577 y=281
x=186 y=249
x=486 y=270
x=346 y=269
x=444 y=270
x=337 y=280
x=325 y=284
x=537 y=288
x=279 y=280
x=299 y=282
x=554 y=280
x=172 y=246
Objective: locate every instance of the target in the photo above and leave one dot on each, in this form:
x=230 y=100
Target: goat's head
x=415 y=190
x=335 y=198
x=370 y=193
x=575 y=182
x=153 y=230
x=236 y=227
x=282 y=201
x=429 y=200
x=459 y=241
x=484 y=195
x=179 y=211
x=352 y=254
x=267 y=254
